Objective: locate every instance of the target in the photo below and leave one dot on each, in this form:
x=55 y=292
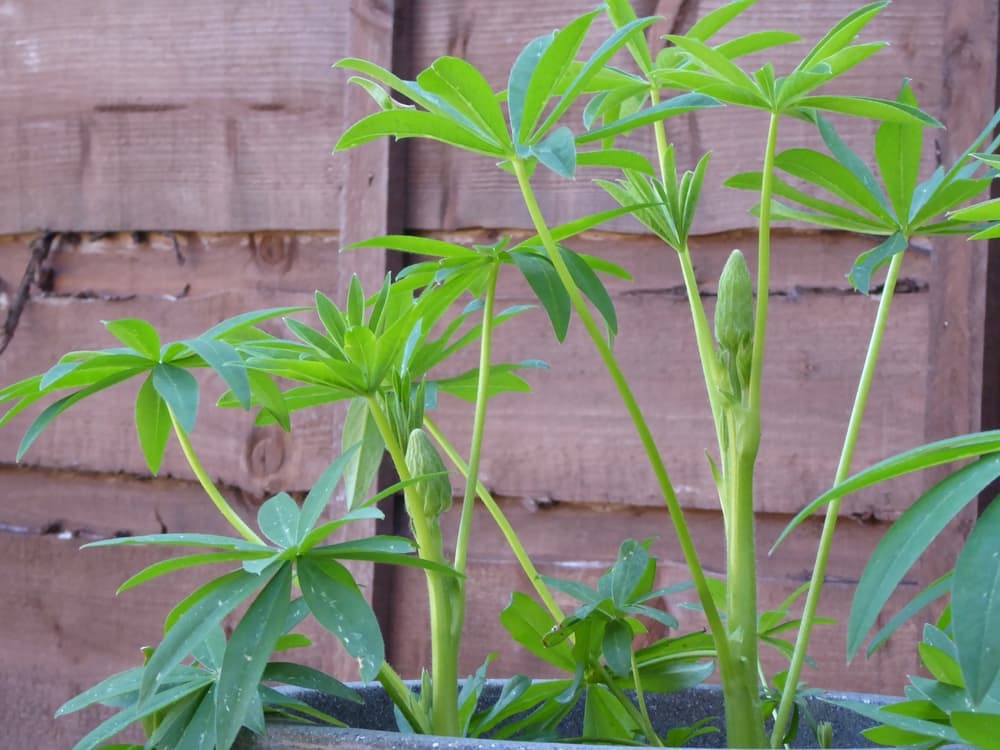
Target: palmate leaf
x=463 y=87
x=907 y=539
x=975 y=605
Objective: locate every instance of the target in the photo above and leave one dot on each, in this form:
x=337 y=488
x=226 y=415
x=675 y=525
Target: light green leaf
x=418 y=246
x=592 y=287
x=412 y=123
x=137 y=334
x=337 y=604
x=975 y=603
x=247 y=653
x=977 y=729
x=713 y=22
x=898 y=148
x=841 y=35
x=617 y=647
x=830 y=175
x=907 y=723
x=362 y=468
x=179 y=390
x=615 y=158
x=174 y=564
x=528 y=622
x=923 y=457
x=871 y=108
x=906 y=541
x=152 y=425
x=461 y=85
x=713 y=61
x=677 y=105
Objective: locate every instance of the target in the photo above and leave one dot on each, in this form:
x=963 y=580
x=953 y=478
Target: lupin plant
x=381 y=355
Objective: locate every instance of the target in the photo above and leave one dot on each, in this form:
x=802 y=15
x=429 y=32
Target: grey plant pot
x=373 y=724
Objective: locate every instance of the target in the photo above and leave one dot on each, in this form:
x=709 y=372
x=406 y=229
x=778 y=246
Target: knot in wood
x=265 y=452
x=272 y=251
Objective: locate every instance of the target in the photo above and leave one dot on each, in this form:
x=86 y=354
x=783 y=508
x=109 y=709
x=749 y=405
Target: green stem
x=403 y=697
x=443 y=593
x=478 y=424
x=513 y=541
x=763 y=264
x=833 y=510
x=651 y=736
x=632 y=406
x=210 y=489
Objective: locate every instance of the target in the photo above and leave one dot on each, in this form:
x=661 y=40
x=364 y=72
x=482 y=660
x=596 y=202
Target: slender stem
x=403 y=698
x=210 y=489
x=638 y=419
x=444 y=595
x=651 y=736
x=513 y=541
x=478 y=424
x=830 y=524
x=763 y=264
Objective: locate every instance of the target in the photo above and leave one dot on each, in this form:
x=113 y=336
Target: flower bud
x=734 y=308
x=433 y=493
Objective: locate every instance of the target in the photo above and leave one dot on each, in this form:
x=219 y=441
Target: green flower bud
x=734 y=309
x=433 y=493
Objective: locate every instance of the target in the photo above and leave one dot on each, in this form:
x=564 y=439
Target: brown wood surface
x=452 y=190
x=170 y=115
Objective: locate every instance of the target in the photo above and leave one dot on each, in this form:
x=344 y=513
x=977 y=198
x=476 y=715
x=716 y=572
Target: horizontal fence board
x=579 y=542
x=451 y=189
x=572 y=439
x=177 y=116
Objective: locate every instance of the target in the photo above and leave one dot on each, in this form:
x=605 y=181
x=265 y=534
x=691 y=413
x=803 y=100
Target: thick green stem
x=210 y=489
x=478 y=424
x=443 y=592
x=833 y=510
x=513 y=541
x=638 y=419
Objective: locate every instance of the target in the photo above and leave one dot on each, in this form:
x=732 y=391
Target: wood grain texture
x=572 y=439
x=171 y=115
x=64 y=628
x=580 y=542
x=452 y=189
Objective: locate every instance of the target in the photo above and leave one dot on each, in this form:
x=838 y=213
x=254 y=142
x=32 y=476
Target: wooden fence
x=171 y=161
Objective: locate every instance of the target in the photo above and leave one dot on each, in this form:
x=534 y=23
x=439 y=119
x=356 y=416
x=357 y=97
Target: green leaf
x=907 y=723
x=841 y=35
x=870 y=261
x=362 y=468
x=412 y=123
x=216 y=541
x=226 y=361
x=278 y=519
x=871 y=108
x=136 y=334
x=179 y=389
x=603 y=716
x=558 y=153
x=528 y=622
x=302 y=676
x=417 y=245
x=713 y=22
x=538 y=71
x=714 y=61
x=923 y=457
x=928 y=596
x=615 y=158
x=907 y=539
x=977 y=729
x=337 y=604
x=545 y=282
x=677 y=105
x=56 y=408
x=592 y=287
x=105 y=692
x=975 y=603
x=247 y=653
x=617 y=647
x=174 y=564
x=269 y=396
x=152 y=425
x=898 y=148
x=211 y=605
x=461 y=85
x=830 y=175
x=239 y=323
